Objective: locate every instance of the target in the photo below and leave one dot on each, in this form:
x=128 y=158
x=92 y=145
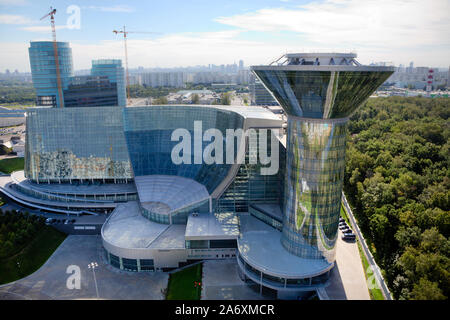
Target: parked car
x=341 y=219
x=348 y=237
x=49 y=221
x=347 y=231
x=66 y=221
x=343 y=223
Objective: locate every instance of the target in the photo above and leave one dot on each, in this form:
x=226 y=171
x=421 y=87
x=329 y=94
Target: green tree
x=427 y=290
x=161 y=100
x=225 y=98
x=195 y=98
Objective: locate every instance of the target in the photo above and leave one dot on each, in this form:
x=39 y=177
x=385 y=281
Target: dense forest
x=16 y=230
x=397 y=179
x=17 y=92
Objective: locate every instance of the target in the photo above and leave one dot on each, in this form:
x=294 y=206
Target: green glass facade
x=313 y=184
x=318 y=100
x=321 y=94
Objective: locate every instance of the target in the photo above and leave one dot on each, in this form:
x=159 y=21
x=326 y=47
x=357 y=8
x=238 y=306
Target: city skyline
x=396 y=32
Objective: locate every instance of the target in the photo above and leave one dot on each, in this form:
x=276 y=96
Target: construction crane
x=124 y=32
x=51 y=14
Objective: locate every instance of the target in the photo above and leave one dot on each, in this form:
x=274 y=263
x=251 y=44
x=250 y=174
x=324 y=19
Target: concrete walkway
x=221 y=281
x=347 y=280
x=49 y=282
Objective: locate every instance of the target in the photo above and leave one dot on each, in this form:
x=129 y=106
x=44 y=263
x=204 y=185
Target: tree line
x=397 y=179
x=16 y=230
x=17 y=92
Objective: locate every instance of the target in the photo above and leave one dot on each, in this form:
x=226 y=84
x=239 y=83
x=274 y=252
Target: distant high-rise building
x=163 y=79
x=448 y=77
x=43 y=70
x=112 y=68
x=241 y=64
x=243 y=77
x=411 y=67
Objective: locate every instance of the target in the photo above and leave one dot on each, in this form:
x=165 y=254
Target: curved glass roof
x=165 y=194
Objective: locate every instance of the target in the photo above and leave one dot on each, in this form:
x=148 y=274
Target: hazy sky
x=221 y=32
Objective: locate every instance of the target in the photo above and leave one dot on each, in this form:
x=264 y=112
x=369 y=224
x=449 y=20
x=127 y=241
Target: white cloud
x=14 y=19
x=42 y=29
x=13 y=2
x=16 y=57
x=356 y=23
x=400 y=32
x=117 y=8
x=174 y=50
x=171 y=50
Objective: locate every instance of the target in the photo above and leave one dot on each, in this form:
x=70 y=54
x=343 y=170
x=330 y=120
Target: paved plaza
x=221 y=282
x=49 y=282
x=220 y=277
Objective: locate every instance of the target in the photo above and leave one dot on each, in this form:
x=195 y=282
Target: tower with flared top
x=318 y=92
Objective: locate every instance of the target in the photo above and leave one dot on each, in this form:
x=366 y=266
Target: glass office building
x=112 y=68
x=43 y=70
x=281 y=227
x=318 y=93
x=90 y=91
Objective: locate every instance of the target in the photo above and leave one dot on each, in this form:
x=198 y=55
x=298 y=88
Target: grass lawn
x=375 y=294
x=10 y=165
x=182 y=284
x=32 y=256
x=18 y=105
x=344 y=215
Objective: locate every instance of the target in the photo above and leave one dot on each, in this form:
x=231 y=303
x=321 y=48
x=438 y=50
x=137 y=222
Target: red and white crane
x=51 y=14
x=124 y=32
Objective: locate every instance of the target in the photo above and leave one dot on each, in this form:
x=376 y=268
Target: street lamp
x=92 y=266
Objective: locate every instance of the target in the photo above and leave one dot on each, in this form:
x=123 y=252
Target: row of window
x=283 y=282
x=211 y=244
x=131 y=264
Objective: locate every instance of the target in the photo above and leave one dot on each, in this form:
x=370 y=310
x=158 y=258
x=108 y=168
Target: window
x=115 y=260
x=147 y=265
x=223 y=243
x=130 y=264
x=197 y=244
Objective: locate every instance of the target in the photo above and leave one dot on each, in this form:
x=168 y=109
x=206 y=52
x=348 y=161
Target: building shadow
x=335 y=289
